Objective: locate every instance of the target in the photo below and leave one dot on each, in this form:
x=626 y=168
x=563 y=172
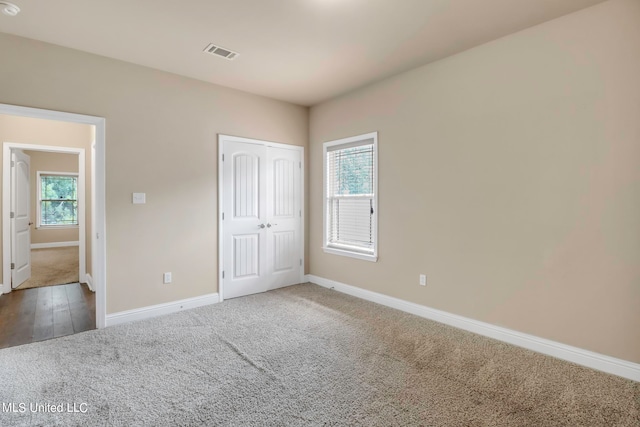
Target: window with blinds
x=350 y=198
x=57 y=200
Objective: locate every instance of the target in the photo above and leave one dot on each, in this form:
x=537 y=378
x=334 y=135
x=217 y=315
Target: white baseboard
x=576 y=355
x=54 y=245
x=1 y=289
x=89 y=281
x=160 y=309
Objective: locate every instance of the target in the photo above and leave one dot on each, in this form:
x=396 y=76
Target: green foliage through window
x=58 y=200
x=353 y=170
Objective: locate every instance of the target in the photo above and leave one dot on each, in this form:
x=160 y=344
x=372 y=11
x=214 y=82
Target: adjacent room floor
x=50 y=304
x=53 y=266
x=42 y=313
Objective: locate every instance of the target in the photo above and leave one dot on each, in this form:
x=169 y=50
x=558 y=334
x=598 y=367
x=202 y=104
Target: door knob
x=269 y=225
x=30 y=223
x=261 y=226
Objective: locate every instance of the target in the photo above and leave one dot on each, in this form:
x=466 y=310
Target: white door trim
x=6 y=187
x=98 y=240
x=221 y=138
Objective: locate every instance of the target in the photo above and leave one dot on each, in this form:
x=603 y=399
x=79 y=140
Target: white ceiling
x=301 y=51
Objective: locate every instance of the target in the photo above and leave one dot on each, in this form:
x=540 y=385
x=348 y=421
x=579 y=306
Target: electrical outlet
x=423 y=280
x=166 y=278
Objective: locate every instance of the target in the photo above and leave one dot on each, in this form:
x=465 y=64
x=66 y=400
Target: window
x=350 y=202
x=57 y=199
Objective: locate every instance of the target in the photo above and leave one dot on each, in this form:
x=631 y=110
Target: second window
x=57 y=199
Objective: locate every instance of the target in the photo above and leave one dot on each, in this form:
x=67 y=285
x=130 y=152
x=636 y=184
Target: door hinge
x=13 y=163
x=223 y=216
x=300 y=262
x=300 y=213
x=223 y=274
x=12 y=215
x=13 y=265
x=223 y=157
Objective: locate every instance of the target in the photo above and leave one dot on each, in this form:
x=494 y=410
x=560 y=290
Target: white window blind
x=350 y=196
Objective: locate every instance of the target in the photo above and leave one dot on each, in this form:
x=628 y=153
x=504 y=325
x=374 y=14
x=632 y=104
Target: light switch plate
x=139 y=198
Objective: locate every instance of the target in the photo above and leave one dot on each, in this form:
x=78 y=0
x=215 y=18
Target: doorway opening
x=64 y=214
x=48 y=214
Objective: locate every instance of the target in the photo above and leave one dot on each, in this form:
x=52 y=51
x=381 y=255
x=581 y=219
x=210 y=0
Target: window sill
x=55 y=227
x=358 y=255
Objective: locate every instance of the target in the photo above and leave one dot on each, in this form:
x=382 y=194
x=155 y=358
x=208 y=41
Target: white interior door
x=261 y=202
x=244 y=219
x=283 y=217
x=20 y=218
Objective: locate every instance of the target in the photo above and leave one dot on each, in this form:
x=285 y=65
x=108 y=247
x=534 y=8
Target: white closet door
x=283 y=216
x=244 y=210
x=261 y=205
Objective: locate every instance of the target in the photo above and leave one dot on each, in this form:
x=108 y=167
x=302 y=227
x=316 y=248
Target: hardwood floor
x=38 y=314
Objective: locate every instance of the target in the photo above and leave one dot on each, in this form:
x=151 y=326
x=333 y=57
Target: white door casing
x=98 y=237
x=261 y=222
x=21 y=218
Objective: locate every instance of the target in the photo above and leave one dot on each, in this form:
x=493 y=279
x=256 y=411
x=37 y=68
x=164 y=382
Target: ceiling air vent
x=220 y=51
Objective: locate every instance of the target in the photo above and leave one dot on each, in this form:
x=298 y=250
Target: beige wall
x=51 y=133
x=510 y=175
x=44 y=161
x=161 y=139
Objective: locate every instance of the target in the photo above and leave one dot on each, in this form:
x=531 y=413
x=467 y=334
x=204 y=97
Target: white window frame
x=39 y=199
x=345 y=250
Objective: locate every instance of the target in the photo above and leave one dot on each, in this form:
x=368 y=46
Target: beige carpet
x=53 y=266
x=303 y=356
